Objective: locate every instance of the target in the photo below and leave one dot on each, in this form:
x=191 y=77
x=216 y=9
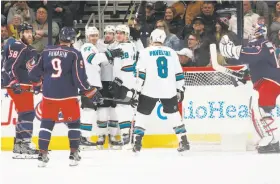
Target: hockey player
x=63 y=71
x=124 y=81
x=159 y=66
x=264 y=68
x=20 y=59
x=106 y=116
x=93 y=59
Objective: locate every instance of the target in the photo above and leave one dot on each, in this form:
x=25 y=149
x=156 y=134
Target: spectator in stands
x=274 y=29
x=5 y=6
x=193 y=10
x=40 y=27
x=22 y=9
x=276 y=12
x=199 y=29
x=3 y=20
x=262 y=10
x=185 y=57
x=222 y=26
x=277 y=41
x=65 y=12
x=201 y=53
x=147 y=22
x=14 y=25
x=209 y=16
x=171 y=40
x=250 y=19
x=174 y=21
x=4 y=32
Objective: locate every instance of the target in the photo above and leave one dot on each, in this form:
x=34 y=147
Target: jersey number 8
x=56 y=64
x=162 y=67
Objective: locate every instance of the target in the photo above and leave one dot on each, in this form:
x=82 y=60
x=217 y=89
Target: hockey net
x=201 y=79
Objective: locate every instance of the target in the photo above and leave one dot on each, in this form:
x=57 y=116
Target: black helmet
x=25 y=26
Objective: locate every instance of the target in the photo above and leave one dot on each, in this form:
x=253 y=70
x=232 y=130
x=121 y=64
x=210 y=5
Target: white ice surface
x=150 y=166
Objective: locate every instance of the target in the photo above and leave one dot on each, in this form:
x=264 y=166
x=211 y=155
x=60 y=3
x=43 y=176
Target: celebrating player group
x=100 y=82
x=116 y=84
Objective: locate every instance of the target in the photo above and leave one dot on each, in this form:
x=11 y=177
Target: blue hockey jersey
x=262 y=60
x=20 y=58
x=62 y=70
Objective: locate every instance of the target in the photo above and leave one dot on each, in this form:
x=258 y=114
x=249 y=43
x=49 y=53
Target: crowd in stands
x=190 y=26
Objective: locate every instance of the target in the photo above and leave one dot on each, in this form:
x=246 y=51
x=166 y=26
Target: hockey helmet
x=67 y=34
x=110 y=29
x=158 y=35
x=25 y=26
x=92 y=31
x=123 y=28
x=259 y=30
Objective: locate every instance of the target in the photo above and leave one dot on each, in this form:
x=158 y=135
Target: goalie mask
x=158 y=36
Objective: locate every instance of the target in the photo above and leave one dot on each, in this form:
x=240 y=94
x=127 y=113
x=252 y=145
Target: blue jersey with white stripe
x=63 y=71
x=262 y=60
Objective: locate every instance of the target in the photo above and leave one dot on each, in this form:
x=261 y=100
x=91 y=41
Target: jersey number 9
x=162 y=67
x=56 y=64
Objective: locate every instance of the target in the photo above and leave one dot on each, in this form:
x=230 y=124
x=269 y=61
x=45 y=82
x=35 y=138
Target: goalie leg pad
x=146 y=104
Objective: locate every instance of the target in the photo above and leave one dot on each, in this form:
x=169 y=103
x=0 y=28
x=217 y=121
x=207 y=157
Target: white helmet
x=110 y=29
x=123 y=28
x=91 y=31
x=158 y=35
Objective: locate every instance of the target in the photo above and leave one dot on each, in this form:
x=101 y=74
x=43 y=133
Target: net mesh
x=207 y=78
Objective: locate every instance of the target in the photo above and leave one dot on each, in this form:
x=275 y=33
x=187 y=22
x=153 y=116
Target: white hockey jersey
x=124 y=67
x=106 y=68
x=159 y=72
x=93 y=59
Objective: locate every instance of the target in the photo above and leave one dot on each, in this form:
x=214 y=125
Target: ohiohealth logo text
x=219 y=110
x=214 y=110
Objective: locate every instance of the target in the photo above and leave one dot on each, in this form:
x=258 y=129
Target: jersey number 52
x=56 y=64
x=162 y=67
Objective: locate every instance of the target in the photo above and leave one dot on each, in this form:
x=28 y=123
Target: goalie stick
x=235 y=75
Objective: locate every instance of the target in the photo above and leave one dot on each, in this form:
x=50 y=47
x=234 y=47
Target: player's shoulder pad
x=17 y=45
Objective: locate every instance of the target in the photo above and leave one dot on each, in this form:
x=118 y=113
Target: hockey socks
x=125 y=130
x=45 y=134
x=74 y=134
x=24 y=126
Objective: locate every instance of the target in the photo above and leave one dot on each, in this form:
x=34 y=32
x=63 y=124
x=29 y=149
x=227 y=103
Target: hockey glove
x=111 y=54
x=15 y=86
x=134 y=99
x=115 y=87
x=180 y=95
x=93 y=94
x=37 y=87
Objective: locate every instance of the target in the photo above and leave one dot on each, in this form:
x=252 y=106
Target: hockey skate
x=23 y=150
x=43 y=159
x=100 y=142
x=270 y=148
x=74 y=158
x=126 y=142
x=114 y=143
x=86 y=144
x=183 y=145
x=137 y=145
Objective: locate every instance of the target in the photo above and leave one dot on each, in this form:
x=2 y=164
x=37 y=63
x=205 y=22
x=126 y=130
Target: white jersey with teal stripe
x=124 y=67
x=93 y=59
x=160 y=72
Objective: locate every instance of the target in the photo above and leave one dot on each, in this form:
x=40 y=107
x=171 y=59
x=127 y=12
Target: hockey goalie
x=264 y=68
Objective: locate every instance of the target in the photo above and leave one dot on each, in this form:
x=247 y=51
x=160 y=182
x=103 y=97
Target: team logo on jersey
x=30 y=64
x=81 y=64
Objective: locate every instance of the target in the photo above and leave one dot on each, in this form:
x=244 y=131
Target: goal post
x=216 y=110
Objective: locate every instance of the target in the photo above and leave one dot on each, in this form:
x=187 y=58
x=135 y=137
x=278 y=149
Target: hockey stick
x=222 y=69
